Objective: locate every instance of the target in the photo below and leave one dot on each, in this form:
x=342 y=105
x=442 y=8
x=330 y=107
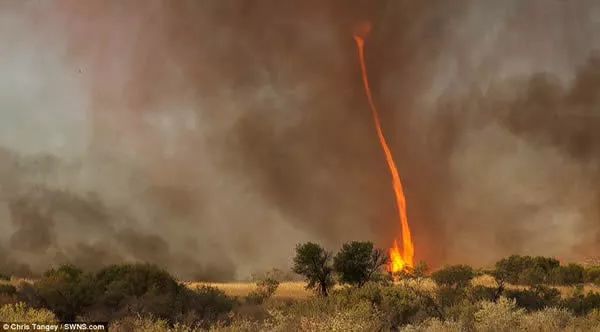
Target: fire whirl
x=399 y=259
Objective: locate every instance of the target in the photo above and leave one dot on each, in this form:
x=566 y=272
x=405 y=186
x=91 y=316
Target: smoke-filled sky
x=210 y=137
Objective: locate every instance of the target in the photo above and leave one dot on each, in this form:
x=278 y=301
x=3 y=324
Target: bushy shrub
x=525 y=270
x=455 y=276
x=8 y=294
x=548 y=319
x=434 y=325
x=246 y=325
x=342 y=310
x=592 y=275
x=482 y=293
x=138 y=289
x=535 y=298
x=448 y=296
x=582 y=304
x=20 y=313
x=571 y=274
x=148 y=324
x=7 y=289
x=360 y=317
x=67 y=291
x=463 y=313
x=403 y=305
x=509 y=269
x=264 y=290
x=371 y=292
x=531 y=271
x=534 y=275
x=589 y=322
x=207 y=305
x=546 y=264
x=499 y=316
x=27 y=293
x=119 y=282
x=395 y=305
x=4 y=277
x=125 y=290
x=139 y=324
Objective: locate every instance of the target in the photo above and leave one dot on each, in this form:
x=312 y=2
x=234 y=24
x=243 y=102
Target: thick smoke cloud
x=211 y=137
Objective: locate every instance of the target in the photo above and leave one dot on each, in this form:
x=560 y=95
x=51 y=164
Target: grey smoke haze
x=212 y=136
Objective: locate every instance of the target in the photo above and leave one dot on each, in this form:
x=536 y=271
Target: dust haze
x=210 y=137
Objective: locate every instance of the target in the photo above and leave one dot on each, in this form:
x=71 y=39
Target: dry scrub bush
x=363 y=310
x=8 y=294
x=242 y=325
x=138 y=323
x=498 y=316
x=7 y=289
x=20 y=313
x=371 y=307
x=326 y=315
x=338 y=312
x=265 y=289
x=535 y=298
x=119 y=291
x=434 y=325
x=592 y=275
x=549 y=319
x=503 y=315
x=361 y=317
x=148 y=324
x=462 y=314
x=590 y=322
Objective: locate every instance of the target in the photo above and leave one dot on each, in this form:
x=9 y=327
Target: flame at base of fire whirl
x=399 y=259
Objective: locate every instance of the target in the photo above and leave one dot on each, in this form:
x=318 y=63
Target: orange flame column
x=398 y=259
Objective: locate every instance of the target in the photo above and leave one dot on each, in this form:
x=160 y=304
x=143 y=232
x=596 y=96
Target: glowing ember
x=398 y=259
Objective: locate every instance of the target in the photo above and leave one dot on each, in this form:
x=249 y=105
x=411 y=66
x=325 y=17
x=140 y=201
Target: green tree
x=358 y=262
x=314 y=264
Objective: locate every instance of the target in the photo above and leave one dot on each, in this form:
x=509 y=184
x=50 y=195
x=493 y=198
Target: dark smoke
x=211 y=137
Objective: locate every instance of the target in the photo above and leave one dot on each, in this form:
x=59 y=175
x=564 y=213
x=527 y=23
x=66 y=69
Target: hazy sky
x=212 y=136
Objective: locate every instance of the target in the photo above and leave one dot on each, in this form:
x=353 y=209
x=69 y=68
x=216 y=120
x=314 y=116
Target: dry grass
x=568 y=291
x=286 y=290
x=297 y=290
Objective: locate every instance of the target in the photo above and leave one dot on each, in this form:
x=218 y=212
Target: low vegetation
x=351 y=291
x=264 y=290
